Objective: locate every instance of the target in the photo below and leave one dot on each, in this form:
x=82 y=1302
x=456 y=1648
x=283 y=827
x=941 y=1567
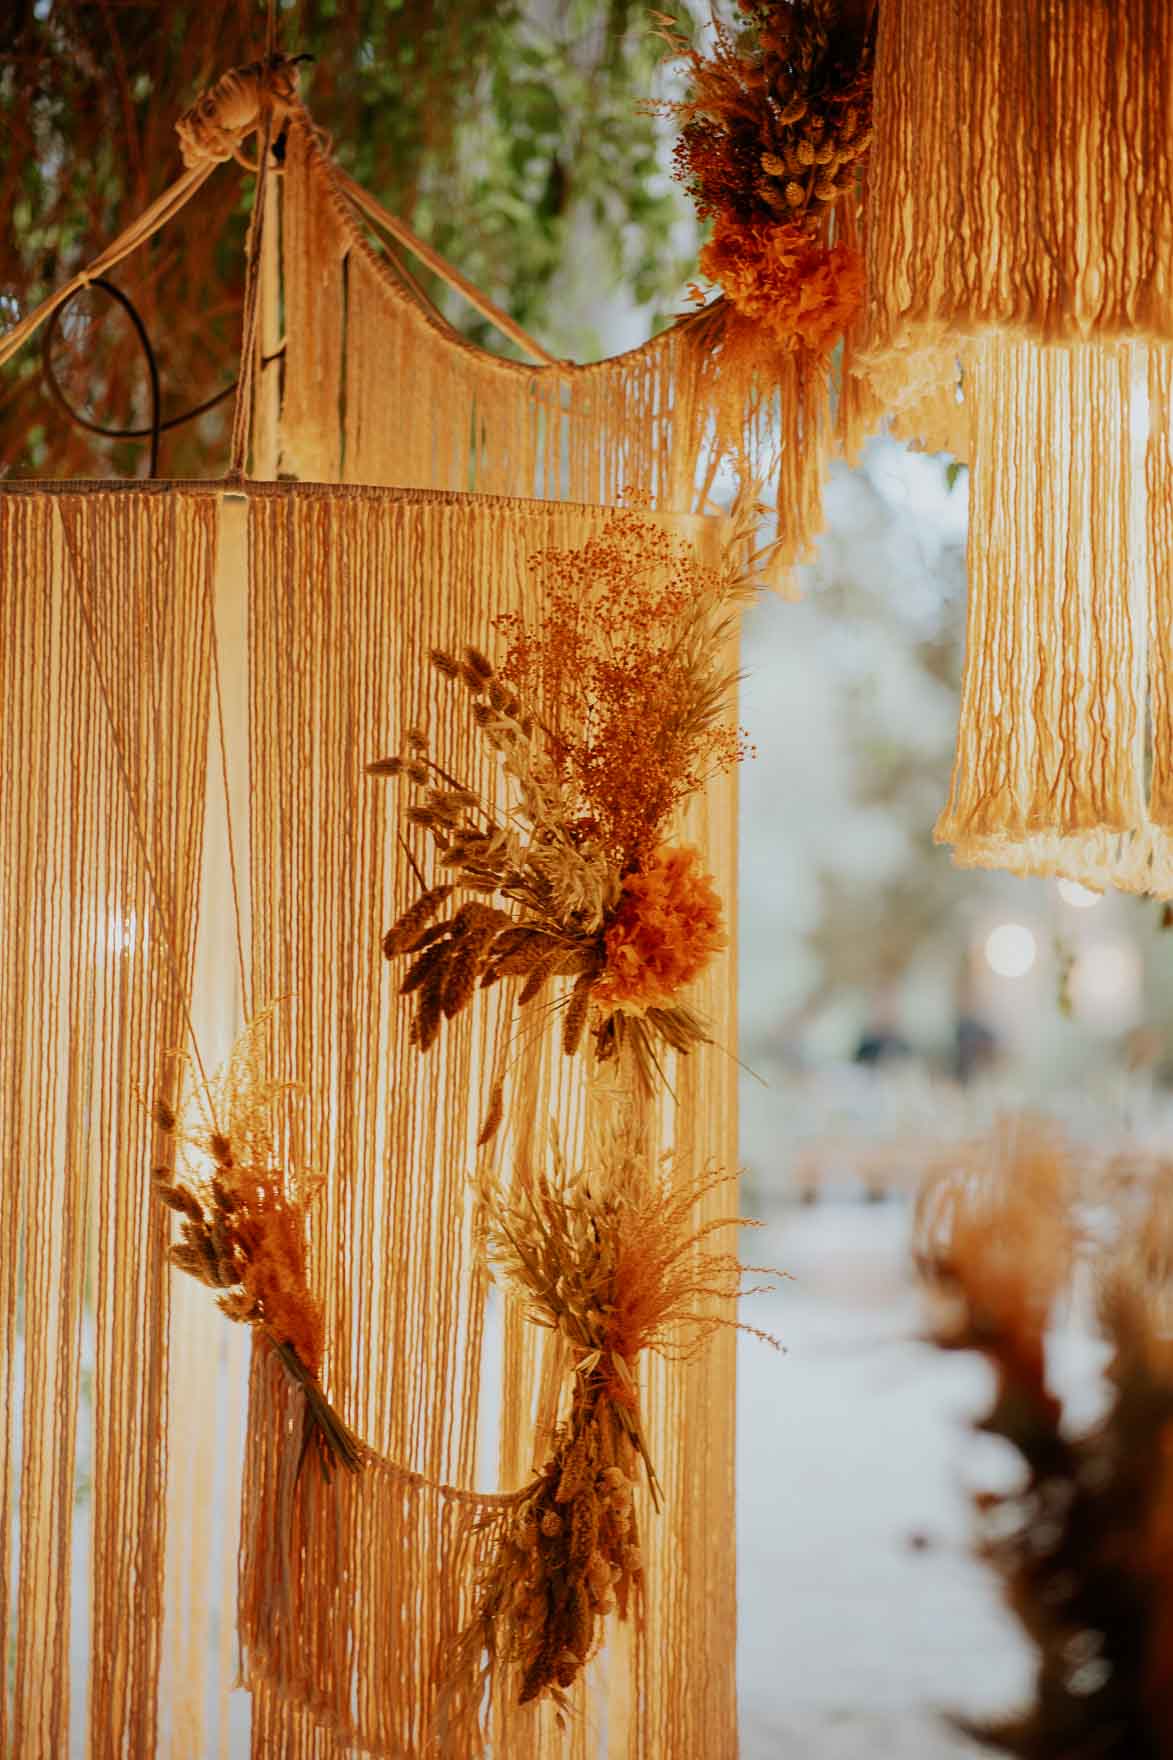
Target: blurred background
x=893 y=1006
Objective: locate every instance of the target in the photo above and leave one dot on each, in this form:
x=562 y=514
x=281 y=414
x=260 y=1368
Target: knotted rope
x=215 y=127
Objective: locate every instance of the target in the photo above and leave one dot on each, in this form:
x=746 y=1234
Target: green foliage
x=506 y=132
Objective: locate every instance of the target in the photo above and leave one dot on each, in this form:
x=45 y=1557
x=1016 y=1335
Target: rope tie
x=217 y=123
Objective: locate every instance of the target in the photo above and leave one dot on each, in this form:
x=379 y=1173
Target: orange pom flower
x=665 y=932
x=804 y=292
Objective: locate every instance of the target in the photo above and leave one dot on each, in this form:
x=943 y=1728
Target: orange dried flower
x=667 y=928
x=805 y=292
x=270 y=1237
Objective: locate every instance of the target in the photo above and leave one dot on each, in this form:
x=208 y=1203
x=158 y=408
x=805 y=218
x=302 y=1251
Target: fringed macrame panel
x=1021 y=176
x=351 y=1593
x=1050 y=774
x=105 y=603
x=379 y=389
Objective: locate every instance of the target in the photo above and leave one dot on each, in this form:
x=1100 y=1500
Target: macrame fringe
x=1067 y=637
x=656 y=422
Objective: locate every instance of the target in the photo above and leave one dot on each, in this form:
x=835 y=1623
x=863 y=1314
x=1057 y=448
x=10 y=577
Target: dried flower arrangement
x=612 y=1263
x=244 y=1226
x=607 y=712
x=775 y=127
x=1084 y=1543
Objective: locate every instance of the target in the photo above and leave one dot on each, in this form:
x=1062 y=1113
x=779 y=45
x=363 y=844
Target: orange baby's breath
x=666 y=930
x=626 y=666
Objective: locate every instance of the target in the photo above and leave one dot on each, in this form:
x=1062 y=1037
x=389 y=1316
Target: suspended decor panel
x=419 y=406
x=348 y=591
x=1051 y=767
x=104 y=679
x=1021 y=177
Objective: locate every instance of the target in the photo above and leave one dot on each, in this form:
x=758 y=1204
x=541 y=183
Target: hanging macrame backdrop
x=121 y=1625
x=1020 y=237
x=378 y=388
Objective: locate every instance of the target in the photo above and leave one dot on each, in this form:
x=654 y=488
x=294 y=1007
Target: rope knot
x=219 y=120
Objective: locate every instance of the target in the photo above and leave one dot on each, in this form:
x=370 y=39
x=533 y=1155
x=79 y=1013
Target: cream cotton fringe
x=323 y=602
x=1020 y=244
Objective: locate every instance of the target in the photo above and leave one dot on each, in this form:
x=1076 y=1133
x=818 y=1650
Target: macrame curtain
x=111 y=599
x=365 y=357
x=1020 y=224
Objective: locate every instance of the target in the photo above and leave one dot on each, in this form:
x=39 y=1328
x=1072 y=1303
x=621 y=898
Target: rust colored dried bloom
x=803 y=291
x=244 y=1228
x=667 y=929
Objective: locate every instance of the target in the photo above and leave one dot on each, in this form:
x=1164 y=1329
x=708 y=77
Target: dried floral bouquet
x=612 y=1262
x=608 y=713
x=243 y=1231
x=776 y=124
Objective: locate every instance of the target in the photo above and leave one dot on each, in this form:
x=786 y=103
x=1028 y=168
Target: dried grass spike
x=493 y=1117
x=406 y=927
x=577 y=1011
x=429 y=962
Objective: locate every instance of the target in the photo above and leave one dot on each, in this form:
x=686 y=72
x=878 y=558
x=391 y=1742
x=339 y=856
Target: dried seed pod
x=566 y=1668
x=164 y=1116
x=577 y=1010
x=220 y=1149
x=795 y=195
x=408 y=926
x=804 y=152
x=493 y=1117
x=429 y=1014
x=187 y=1258
x=417 y=739
x=584 y=1529
x=460 y=981
x=180 y=1199
x=444 y=663
x=824 y=152
x=542 y=971
x=575 y=1467
x=426 y=936
x=551 y=1524
x=479 y=663
x=772 y=165
x=580 y=1622
x=430 y=961
x=385 y=767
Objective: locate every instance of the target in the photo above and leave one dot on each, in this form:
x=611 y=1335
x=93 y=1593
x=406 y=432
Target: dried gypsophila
x=243 y=1227
x=614 y=1263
